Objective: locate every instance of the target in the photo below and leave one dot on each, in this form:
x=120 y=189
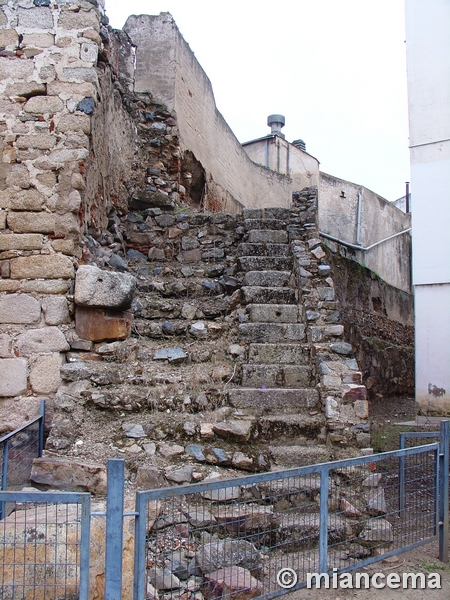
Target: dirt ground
x=420 y=560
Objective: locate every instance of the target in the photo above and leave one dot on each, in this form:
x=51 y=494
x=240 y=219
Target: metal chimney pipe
x=276 y=122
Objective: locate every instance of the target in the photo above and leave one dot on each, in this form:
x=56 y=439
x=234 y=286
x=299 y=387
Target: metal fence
x=249 y=532
x=18 y=449
x=260 y=535
x=408 y=439
x=44 y=546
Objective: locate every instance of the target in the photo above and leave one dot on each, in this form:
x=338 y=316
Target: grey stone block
x=280 y=399
x=267 y=278
x=268 y=295
x=45 y=376
x=273 y=313
x=257 y=236
x=278 y=354
x=264 y=249
x=272 y=332
x=55 y=310
x=13 y=376
x=285 y=376
x=19 y=308
x=37 y=18
x=95 y=287
x=42 y=341
x=264 y=263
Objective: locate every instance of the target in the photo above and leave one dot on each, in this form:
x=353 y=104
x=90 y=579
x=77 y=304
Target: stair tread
x=257 y=294
x=263 y=249
x=262 y=263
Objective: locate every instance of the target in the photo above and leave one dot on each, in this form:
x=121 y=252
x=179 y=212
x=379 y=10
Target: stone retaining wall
x=379 y=322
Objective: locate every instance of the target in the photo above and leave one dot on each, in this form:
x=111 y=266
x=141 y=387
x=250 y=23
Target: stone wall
x=338 y=210
x=379 y=322
x=49 y=86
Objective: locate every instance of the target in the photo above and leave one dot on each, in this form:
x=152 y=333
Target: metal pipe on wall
x=358 y=221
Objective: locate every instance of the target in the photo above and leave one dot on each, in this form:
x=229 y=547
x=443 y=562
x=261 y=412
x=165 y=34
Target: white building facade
x=428 y=67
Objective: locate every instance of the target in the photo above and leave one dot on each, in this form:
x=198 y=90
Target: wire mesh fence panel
x=265 y=535
x=22 y=448
x=232 y=540
x=17 y=452
x=18 y=449
x=366 y=497
x=44 y=547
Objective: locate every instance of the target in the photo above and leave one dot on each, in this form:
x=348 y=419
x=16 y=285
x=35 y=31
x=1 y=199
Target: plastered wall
x=338 y=215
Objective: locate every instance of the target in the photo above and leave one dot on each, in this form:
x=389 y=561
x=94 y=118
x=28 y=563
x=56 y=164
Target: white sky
x=335 y=69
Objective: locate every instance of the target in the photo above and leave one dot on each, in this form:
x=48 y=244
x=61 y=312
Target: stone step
x=258 y=236
x=274 y=313
x=299 y=456
x=284 y=376
x=267 y=278
x=278 y=400
x=282 y=426
x=257 y=294
x=263 y=249
x=267 y=223
x=288 y=354
x=265 y=213
x=272 y=332
x=264 y=263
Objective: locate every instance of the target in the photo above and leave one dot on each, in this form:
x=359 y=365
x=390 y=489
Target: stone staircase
x=236 y=360
x=278 y=379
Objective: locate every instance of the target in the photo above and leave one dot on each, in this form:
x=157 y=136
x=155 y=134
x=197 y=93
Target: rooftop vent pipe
x=276 y=122
x=300 y=144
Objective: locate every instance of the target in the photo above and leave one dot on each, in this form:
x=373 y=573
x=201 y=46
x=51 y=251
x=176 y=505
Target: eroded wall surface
x=231 y=179
x=379 y=322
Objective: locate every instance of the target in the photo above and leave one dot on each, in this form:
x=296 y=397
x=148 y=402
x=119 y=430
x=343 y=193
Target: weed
x=432 y=566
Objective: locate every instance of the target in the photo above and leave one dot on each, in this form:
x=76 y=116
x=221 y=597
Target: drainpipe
x=358 y=221
x=267 y=153
x=407 y=197
x=287 y=160
x=278 y=156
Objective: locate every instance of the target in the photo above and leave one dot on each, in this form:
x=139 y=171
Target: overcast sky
x=334 y=68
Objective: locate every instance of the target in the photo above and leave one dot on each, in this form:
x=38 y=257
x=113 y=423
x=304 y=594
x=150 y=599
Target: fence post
x=323 y=528
x=401 y=475
x=443 y=490
x=41 y=428
x=114 y=529
x=4 y=478
x=140 y=530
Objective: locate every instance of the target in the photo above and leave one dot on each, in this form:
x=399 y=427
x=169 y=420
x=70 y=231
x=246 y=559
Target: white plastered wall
x=428 y=66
